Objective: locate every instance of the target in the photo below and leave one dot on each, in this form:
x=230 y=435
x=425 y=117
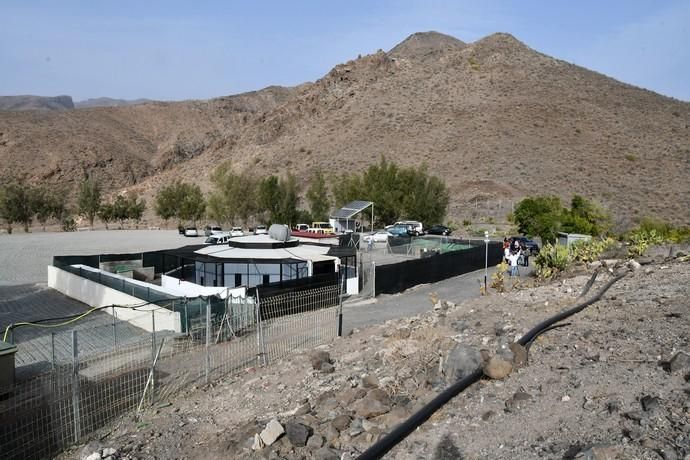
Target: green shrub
x=589 y=251
x=641 y=239
x=69 y=225
x=551 y=260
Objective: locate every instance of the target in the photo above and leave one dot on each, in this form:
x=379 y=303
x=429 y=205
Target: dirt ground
x=613 y=382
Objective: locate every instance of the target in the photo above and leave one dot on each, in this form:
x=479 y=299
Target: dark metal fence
x=393 y=278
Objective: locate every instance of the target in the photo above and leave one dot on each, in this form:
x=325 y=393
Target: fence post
x=261 y=345
x=186 y=317
x=340 y=307
x=52 y=351
x=153 y=356
x=208 y=337
x=75 y=386
x=373 y=278
x=114 y=327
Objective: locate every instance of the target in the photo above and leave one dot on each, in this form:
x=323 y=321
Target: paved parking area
x=25 y=256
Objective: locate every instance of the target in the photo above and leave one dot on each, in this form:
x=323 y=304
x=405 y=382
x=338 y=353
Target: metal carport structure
x=347 y=212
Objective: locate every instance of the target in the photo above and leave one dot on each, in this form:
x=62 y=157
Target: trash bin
x=7 y=351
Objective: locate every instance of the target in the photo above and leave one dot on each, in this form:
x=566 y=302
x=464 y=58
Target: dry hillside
x=494 y=118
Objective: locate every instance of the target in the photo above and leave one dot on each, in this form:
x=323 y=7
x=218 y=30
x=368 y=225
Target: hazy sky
x=171 y=50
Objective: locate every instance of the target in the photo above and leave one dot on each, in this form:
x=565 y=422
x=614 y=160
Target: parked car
x=302 y=227
x=321 y=227
x=191 y=231
x=411 y=229
x=236 y=231
x=212 y=230
x=439 y=229
x=401 y=230
x=378 y=237
x=527 y=244
x=181 y=229
x=261 y=230
x=219 y=238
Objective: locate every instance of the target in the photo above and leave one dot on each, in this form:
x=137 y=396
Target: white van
x=219 y=238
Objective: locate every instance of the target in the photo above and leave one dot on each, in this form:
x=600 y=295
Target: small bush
x=640 y=240
x=589 y=251
x=69 y=225
x=551 y=260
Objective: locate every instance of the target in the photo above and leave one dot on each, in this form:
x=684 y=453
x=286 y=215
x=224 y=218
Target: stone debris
x=297 y=433
x=272 y=432
x=497 y=368
x=680 y=361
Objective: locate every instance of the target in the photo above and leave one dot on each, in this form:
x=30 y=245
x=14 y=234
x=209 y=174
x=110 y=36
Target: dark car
x=527 y=244
x=439 y=230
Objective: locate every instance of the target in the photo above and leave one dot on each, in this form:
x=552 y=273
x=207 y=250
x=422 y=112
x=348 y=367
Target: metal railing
x=79 y=392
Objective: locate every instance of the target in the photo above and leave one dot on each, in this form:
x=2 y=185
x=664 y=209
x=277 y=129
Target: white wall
x=181 y=288
x=98 y=295
x=352 y=285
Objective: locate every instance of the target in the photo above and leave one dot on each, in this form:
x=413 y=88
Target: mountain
x=108 y=102
x=494 y=118
x=28 y=102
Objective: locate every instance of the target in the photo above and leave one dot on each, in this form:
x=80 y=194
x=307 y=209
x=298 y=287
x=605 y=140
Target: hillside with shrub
x=495 y=119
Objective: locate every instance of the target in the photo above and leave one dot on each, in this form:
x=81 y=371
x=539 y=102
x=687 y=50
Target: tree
x=539 y=216
x=16 y=205
x=135 y=207
x=268 y=198
x=40 y=204
x=585 y=217
x=120 y=209
x=89 y=199
x=105 y=213
x=288 y=214
x=234 y=194
x=396 y=192
x=317 y=195
x=192 y=204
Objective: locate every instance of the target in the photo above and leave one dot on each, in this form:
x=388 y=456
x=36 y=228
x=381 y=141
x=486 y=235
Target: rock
x=258 y=443
x=94 y=456
x=331 y=434
x=649 y=403
x=315 y=441
x=327 y=368
x=610 y=263
x=326 y=453
x=356 y=428
x=680 y=361
x=318 y=358
x=519 y=355
x=89 y=449
x=347 y=397
x=272 y=432
x=297 y=433
x=460 y=326
x=598 y=452
x=370 y=381
x=634 y=265
x=446 y=449
x=108 y=452
x=488 y=415
x=341 y=422
x=368 y=426
x=595 y=264
x=517 y=401
x=462 y=360
x=434 y=298
x=498 y=368
x=376 y=402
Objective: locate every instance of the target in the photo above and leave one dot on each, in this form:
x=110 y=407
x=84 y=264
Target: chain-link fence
x=79 y=391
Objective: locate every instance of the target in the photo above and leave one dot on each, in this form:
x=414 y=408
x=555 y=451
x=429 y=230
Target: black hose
x=385 y=444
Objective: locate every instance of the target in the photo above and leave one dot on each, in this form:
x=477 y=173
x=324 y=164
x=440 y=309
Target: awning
x=351 y=209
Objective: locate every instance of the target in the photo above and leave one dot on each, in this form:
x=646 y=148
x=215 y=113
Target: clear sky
x=171 y=50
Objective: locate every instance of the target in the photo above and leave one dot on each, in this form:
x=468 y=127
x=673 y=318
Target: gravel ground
x=25 y=256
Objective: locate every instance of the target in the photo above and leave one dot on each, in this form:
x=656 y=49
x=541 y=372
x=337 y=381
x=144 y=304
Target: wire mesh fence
x=78 y=391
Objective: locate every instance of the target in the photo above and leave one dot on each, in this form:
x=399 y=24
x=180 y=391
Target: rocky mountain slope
x=108 y=102
x=611 y=382
x=28 y=102
x=494 y=118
